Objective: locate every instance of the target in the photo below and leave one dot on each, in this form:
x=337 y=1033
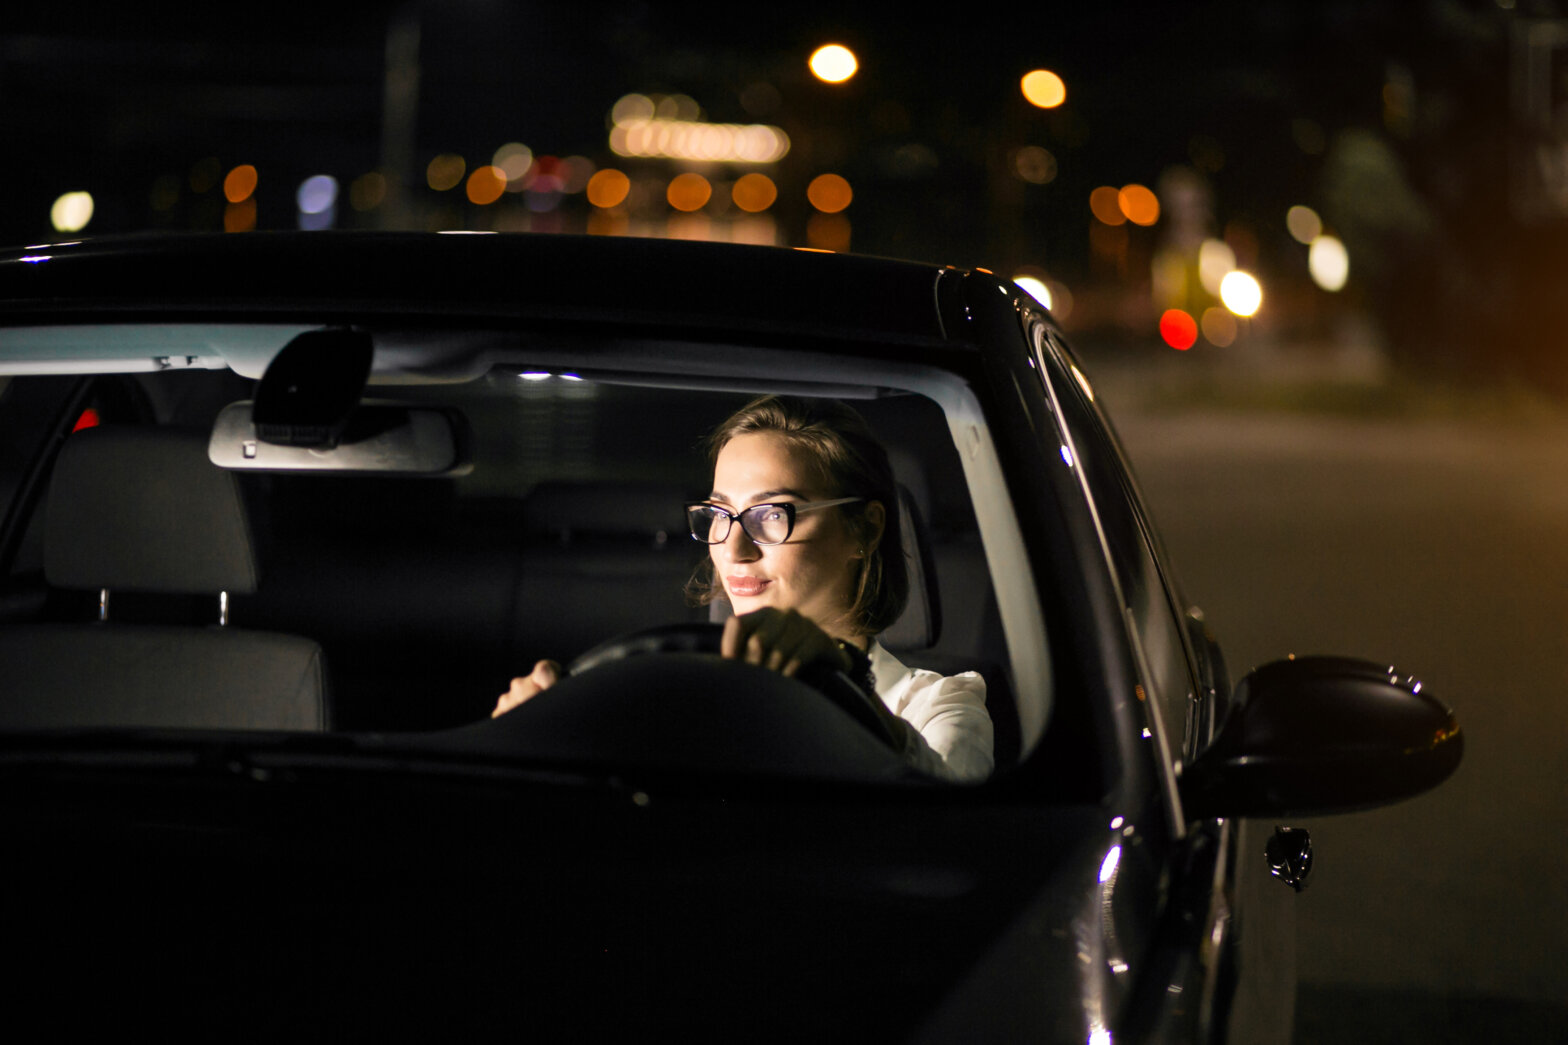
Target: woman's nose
x=738 y=546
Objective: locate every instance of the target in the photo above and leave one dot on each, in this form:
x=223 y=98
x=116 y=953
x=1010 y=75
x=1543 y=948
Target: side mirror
x=1316 y=735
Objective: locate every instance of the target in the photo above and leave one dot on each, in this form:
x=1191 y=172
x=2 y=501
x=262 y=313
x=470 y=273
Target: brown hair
x=854 y=464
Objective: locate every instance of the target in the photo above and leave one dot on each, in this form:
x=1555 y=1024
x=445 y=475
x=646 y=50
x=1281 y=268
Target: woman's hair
x=852 y=463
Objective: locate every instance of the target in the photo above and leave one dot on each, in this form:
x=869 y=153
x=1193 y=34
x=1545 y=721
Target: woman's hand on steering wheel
x=780 y=640
x=546 y=673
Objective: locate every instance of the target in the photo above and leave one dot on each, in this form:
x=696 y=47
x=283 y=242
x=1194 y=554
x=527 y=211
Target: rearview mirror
x=1316 y=735
x=379 y=437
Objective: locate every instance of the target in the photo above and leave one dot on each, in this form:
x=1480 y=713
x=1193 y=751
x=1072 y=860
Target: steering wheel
x=705 y=637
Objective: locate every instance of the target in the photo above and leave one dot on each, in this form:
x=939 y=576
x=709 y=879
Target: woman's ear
x=876 y=525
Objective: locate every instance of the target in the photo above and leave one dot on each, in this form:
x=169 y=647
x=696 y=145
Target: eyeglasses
x=763 y=523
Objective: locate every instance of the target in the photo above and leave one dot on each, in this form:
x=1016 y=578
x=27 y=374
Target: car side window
x=1155 y=623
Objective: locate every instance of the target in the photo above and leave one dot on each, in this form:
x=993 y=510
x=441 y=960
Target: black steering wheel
x=704 y=637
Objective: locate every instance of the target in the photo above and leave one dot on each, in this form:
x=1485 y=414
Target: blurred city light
x=1215 y=261
x=486 y=185
x=514 y=159
x=368 y=191
x=445 y=172
x=829 y=193
x=1303 y=223
x=608 y=188
x=1178 y=329
x=1105 y=203
x=692 y=140
x=1240 y=293
x=1329 y=263
x=1036 y=288
x=1219 y=327
x=1043 y=88
x=316 y=194
x=1139 y=204
x=828 y=232
x=1035 y=165
x=689 y=192
x=240 y=183
x=833 y=63
x=71 y=212
x=240 y=217
x=573 y=172
x=754 y=192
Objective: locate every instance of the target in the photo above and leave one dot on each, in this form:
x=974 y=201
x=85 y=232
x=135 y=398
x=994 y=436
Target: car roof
x=457 y=277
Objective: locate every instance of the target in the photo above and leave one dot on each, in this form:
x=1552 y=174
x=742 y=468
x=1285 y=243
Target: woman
x=804 y=543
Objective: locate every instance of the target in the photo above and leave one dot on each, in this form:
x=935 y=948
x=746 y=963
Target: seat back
x=143 y=510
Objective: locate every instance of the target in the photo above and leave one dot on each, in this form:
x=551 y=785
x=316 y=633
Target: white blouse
x=951 y=731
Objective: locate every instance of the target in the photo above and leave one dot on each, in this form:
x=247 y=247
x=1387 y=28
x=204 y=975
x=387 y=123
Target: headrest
x=567 y=511
x=143 y=509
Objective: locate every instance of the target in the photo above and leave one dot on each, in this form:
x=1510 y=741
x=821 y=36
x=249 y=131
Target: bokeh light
x=1219 y=327
x=514 y=159
x=1043 y=88
x=1328 y=262
x=486 y=185
x=240 y=217
x=368 y=191
x=689 y=192
x=1241 y=293
x=165 y=193
x=1303 y=223
x=240 y=183
x=754 y=192
x=828 y=232
x=445 y=172
x=316 y=194
x=71 y=212
x=1105 y=203
x=608 y=188
x=1035 y=165
x=829 y=193
x=1178 y=329
x=1215 y=261
x=1139 y=203
x=833 y=63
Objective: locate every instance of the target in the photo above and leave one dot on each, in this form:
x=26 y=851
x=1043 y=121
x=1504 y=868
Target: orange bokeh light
x=829 y=193
x=240 y=183
x=240 y=217
x=1139 y=204
x=1106 y=204
x=608 y=188
x=486 y=184
x=754 y=192
x=689 y=192
x=1043 y=88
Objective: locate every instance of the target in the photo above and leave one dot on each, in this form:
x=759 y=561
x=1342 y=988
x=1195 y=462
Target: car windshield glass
x=380 y=604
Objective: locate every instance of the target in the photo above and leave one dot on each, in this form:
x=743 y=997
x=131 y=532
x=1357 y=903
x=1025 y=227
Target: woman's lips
x=746 y=587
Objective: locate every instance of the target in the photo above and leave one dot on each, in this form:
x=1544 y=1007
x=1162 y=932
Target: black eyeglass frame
x=791 y=509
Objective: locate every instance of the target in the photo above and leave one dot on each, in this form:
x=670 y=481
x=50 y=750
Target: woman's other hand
x=779 y=640
x=545 y=674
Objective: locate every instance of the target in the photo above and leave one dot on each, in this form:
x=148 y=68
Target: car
x=281 y=514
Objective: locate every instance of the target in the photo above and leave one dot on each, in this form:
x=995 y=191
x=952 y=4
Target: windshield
x=402 y=604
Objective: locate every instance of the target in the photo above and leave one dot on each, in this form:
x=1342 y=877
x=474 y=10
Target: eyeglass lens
x=764 y=523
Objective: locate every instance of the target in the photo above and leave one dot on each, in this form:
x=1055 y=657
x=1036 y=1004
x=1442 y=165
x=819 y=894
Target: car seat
x=141 y=509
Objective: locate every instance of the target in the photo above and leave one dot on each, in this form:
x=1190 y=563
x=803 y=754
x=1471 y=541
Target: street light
x=833 y=63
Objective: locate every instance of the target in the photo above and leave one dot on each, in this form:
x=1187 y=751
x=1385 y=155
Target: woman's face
x=813 y=571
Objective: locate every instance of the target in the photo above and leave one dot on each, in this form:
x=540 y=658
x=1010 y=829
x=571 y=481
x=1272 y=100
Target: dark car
x=281 y=515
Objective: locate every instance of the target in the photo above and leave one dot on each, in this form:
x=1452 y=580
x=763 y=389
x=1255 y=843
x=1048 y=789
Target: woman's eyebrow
x=759 y=498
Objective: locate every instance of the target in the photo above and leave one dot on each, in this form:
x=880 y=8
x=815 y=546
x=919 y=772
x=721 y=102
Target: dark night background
x=1378 y=470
